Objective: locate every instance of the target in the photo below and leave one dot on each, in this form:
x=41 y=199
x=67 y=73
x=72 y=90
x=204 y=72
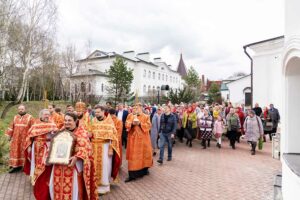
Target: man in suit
x=122 y=115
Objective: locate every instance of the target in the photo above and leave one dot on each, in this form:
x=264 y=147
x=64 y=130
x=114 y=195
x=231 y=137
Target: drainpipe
x=245 y=51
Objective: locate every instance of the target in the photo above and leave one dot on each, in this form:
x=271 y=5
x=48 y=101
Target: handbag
x=260 y=144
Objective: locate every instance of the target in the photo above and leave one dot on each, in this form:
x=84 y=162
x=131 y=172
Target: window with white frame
x=149 y=88
x=158 y=76
x=144 y=88
x=163 y=77
x=145 y=72
x=166 y=77
x=149 y=74
x=153 y=75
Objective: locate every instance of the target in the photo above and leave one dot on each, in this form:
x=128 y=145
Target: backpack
x=234 y=123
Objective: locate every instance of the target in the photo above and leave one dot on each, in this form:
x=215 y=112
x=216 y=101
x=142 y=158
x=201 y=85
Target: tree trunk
x=7 y=108
x=20 y=96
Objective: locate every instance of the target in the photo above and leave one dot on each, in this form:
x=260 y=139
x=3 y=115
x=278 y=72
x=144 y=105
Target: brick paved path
x=194 y=173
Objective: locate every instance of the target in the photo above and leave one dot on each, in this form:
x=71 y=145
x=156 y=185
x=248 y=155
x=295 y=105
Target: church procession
x=129 y=125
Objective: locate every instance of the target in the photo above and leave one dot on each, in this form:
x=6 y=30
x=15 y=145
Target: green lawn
x=32 y=107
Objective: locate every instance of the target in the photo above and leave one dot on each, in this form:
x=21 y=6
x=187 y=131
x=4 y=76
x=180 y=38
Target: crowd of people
x=103 y=133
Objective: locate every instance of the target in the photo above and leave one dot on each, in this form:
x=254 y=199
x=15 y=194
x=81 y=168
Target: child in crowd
x=218 y=130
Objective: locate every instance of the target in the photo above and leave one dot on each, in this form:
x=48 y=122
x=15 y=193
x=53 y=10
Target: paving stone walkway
x=194 y=173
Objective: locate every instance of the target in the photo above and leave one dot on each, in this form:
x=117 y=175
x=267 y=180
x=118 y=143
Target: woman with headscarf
x=253 y=129
x=189 y=124
x=241 y=115
x=233 y=126
x=206 y=127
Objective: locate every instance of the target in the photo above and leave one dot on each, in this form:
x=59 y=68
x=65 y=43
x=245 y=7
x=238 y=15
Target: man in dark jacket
x=257 y=110
x=275 y=117
x=167 y=132
x=122 y=115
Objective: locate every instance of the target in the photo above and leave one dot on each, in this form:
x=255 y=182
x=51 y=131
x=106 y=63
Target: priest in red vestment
x=17 y=133
x=76 y=180
x=36 y=151
x=106 y=149
x=139 y=149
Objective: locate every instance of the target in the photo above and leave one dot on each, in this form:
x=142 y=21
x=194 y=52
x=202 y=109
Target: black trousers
x=232 y=135
x=253 y=145
x=138 y=173
x=180 y=134
x=124 y=138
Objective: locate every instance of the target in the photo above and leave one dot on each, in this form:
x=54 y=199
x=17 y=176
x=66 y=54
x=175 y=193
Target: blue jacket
x=124 y=117
x=168 y=124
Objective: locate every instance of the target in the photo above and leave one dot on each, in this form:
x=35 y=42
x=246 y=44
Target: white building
x=267 y=62
x=237 y=90
x=276 y=79
x=149 y=75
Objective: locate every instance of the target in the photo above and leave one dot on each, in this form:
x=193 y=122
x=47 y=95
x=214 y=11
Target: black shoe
x=204 y=147
x=154 y=153
x=219 y=146
x=169 y=159
x=233 y=146
x=16 y=169
x=160 y=161
x=129 y=179
x=252 y=152
x=190 y=144
x=187 y=142
x=181 y=140
x=208 y=144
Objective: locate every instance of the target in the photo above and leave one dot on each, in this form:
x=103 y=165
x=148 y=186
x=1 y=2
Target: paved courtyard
x=194 y=173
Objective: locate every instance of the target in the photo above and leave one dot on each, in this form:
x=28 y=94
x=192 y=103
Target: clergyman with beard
x=36 y=150
x=17 y=132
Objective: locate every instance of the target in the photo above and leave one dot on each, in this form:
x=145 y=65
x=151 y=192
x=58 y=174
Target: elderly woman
x=155 y=129
x=233 y=126
x=253 y=130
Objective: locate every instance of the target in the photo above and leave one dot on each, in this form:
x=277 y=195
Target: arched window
x=144 y=89
x=163 y=77
x=153 y=88
x=158 y=76
x=149 y=74
x=82 y=86
x=149 y=88
x=76 y=89
x=166 y=77
x=144 y=75
x=102 y=87
x=153 y=75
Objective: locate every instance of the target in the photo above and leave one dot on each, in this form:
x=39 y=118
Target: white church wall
x=236 y=90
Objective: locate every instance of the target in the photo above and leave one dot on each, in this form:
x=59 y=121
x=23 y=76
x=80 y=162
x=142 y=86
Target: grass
x=33 y=108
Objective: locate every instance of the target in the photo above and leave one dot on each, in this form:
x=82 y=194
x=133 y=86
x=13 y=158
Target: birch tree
x=30 y=37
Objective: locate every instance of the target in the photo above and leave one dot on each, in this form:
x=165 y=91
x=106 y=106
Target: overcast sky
x=209 y=33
